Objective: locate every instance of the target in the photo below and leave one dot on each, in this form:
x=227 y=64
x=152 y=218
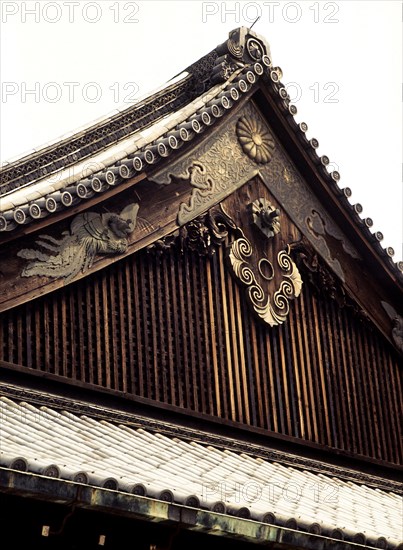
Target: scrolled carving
x=90 y=234
x=272 y=308
x=214 y=169
x=256 y=141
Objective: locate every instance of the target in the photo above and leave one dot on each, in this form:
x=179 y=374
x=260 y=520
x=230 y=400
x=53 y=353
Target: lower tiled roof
x=81 y=449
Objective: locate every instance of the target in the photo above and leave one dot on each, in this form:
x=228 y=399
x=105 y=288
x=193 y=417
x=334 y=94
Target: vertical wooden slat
x=98 y=338
x=72 y=366
x=296 y=367
x=3 y=324
x=235 y=362
x=177 y=330
x=20 y=348
x=349 y=418
x=139 y=321
x=321 y=369
x=228 y=365
x=154 y=391
x=56 y=334
x=182 y=297
x=218 y=309
x=260 y=366
x=277 y=380
x=251 y=360
x=112 y=329
x=201 y=380
x=29 y=334
x=331 y=381
x=355 y=384
x=284 y=381
x=380 y=397
x=274 y=411
x=307 y=405
x=190 y=326
x=365 y=404
x=46 y=336
x=397 y=407
x=106 y=359
x=215 y=343
x=145 y=323
x=163 y=334
x=313 y=361
x=170 y=335
x=361 y=394
x=90 y=331
x=245 y=360
x=393 y=389
x=38 y=329
x=82 y=329
x=126 y=297
x=379 y=365
x=369 y=367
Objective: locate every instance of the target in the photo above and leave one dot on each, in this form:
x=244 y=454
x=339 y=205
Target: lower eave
x=143 y=508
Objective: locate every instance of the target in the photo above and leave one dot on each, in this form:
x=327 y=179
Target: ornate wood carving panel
x=171 y=324
x=215 y=166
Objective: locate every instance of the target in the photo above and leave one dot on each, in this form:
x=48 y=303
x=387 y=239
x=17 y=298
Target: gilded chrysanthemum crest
x=256 y=141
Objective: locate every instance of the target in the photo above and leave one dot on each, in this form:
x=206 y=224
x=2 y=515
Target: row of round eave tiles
x=173 y=140
x=135 y=164
x=219 y=507
x=332 y=177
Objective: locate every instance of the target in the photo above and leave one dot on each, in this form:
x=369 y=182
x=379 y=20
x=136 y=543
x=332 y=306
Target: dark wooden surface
x=176 y=328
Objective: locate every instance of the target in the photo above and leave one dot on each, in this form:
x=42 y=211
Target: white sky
x=65 y=63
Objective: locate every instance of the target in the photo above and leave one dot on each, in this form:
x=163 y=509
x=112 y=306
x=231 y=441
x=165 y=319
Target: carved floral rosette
x=272 y=308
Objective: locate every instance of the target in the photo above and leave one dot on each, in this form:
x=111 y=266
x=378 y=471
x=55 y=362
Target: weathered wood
x=176 y=328
x=215 y=343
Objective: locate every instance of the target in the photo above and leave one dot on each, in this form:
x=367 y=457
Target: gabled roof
x=131 y=144
x=157 y=462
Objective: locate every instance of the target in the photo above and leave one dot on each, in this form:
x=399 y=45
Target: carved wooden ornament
x=90 y=234
x=272 y=308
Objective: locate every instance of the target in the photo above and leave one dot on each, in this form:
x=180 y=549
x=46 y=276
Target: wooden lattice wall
x=175 y=328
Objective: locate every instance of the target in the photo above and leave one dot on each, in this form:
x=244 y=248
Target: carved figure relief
x=90 y=234
x=272 y=308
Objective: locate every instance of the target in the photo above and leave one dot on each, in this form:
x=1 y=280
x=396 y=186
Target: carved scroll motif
x=90 y=234
x=273 y=309
x=215 y=168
